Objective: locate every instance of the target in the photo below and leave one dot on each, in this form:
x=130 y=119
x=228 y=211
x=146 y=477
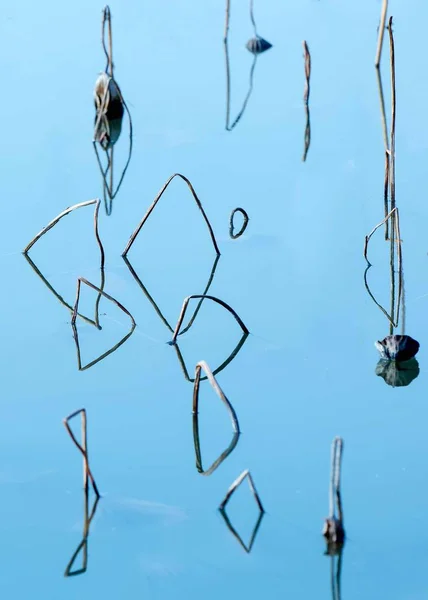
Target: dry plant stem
x=223 y=365
x=381 y=32
x=55 y=293
x=198 y=454
x=393 y=114
x=335 y=476
x=385 y=194
x=195 y=296
x=82 y=448
x=382 y=110
x=202 y=365
x=307 y=137
x=236 y=484
x=368 y=237
x=252 y=18
x=335 y=576
x=109 y=52
x=156 y=200
x=66 y=212
x=232 y=233
x=73 y=323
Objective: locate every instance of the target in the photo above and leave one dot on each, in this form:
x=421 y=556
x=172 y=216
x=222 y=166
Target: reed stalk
x=244 y=475
x=83 y=448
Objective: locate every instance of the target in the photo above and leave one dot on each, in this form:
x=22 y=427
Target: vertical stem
x=386 y=194
x=85 y=451
x=381 y=32
x=252 y=18
x=393 y=111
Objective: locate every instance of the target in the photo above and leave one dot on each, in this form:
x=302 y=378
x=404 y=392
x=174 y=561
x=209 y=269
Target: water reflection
x=110 y=107
x=307 y=138
x=222 y=509
x=244 y=225
x=101 y=293
x=83 y=545
x=156 y=306
x=256 y=45
x=335 y=573
x=234 y=419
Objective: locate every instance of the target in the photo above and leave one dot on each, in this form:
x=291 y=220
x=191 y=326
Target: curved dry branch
x=198 y=454
x=83 y=448
x=244 y=475
x=108 y=52
x=156 y=200
x=307 y=137
x=73 y=323
x=218 y=301
x=66 y=212
x=232 y=233
x=394 y=216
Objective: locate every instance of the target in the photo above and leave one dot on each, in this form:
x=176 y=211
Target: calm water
x=307 y=371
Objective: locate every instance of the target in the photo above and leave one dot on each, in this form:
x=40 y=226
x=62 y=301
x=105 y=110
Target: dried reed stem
x=244 y=213
x=335 y=477
x=202 y=365
x=66 y=212
x=394 y=211
x=385 y=194
x=381 y=33
x=101 y=292
x=236 y=484
x=109 y=53
x=198 y=454
x=184 y=309
x=83 y=448
x=156 y=200
x=253 y=21
x=393 y=114
x=307 y=137
x=382 y=110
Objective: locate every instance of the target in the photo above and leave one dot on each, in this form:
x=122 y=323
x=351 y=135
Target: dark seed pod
x=397 y=347
x=257 y=45
x=397 y=374
x=334 y=534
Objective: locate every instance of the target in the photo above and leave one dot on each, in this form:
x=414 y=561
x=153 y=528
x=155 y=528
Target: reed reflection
x=202 y=365
x=100 y=293
x=335 y=573
x=82 y=548
x=110 y=108
x=256 y=45
x=222 y=509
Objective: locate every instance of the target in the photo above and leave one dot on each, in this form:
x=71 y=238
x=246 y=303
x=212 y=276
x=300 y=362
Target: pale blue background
x=305 y=374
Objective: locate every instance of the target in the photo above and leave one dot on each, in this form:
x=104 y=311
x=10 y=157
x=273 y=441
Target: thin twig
x=386 y=194
x=335 y=477
x=393 y=111
x=381 y=32
x=101 y=292
x=202 y=365
x=64 y=213
x=367 y=238
x=156 y=200
x=236 y=484
x=307 y=137
x=253 y=21
x=83 y=448
x=232 y=233
x=195 y=296
x=382 y=110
